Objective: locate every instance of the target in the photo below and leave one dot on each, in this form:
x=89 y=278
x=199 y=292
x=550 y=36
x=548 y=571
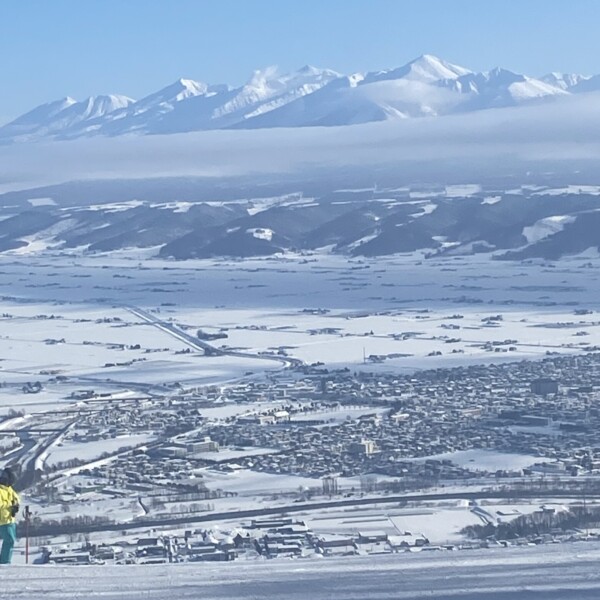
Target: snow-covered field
x=246 y=482
x=84 y=342
x=487 y=460
x=440 y=524
x=400 y=312
x=559 y=572
x=89 y=451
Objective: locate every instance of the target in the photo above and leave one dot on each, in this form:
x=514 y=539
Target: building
x=372 y=537
x=206 y=445
x=534 y=421
x=330 y=485
x=327 y=543
x=70 y=558
x=362 y=448
x=271 y=523
x=544 y=386
x=282 y=416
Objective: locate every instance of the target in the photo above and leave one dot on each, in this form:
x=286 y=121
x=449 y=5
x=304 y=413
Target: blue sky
x=54 y=48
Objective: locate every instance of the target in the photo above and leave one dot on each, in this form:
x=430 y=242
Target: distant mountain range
x=425 y=87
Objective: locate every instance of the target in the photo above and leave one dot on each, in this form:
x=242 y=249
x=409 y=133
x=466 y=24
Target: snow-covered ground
x=246 y=482
x=88 y=451
x=559 y=572
x=487 y=460
x=440 y=524
x=400 y=310
x=86 y=342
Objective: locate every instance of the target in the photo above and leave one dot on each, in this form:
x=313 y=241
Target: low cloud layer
x=562 y=130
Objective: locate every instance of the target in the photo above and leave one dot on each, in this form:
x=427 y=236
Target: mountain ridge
x=427 y=86
x=531 y=222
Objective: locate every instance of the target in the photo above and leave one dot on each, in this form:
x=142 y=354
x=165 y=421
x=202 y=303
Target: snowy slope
x=36 y=118
x=187 y=105
x=564 y=81
x=590 y=84
x=417 y=90
x=61 y=116
x=404 y=92
x=137 y=115
x=558 y=572
x=266 y=91
x=166 y=98
x=529 y=224
x=341 y=102
x=499 y=88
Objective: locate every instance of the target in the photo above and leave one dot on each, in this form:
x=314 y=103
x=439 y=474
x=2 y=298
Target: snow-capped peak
x=313 y=77
x=189 y=87
x=62 y=103
x=429 y=67
x=46 y=111
x=309 y=70
x=267 y=90
x=176 y=92
x=61 y=115
x=503 y=75
x=564 y=80
x=426 y=68
x=98 y=106
x=312 y=71
x=499 y=87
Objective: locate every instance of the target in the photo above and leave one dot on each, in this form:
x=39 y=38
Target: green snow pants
x=8 y=535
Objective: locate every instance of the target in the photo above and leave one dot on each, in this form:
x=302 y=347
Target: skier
x=9 y=506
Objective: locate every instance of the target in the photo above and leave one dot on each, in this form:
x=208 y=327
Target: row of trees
x=538 y=523
x=66 y=525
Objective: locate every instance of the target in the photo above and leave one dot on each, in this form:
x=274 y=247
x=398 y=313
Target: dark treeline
x=539 y=523
x=66 y=525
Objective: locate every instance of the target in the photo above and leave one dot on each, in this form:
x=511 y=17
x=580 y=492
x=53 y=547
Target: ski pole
x=27 y=515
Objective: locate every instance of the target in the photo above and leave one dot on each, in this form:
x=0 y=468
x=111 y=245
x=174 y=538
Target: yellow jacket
x=8 y=497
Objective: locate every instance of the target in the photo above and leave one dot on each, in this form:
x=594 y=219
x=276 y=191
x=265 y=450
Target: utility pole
x=587 y=530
